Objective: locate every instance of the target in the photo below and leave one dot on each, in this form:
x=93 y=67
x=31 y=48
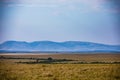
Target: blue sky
x=61 y=20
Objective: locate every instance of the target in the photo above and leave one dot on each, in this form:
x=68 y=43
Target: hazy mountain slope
x=57 y=46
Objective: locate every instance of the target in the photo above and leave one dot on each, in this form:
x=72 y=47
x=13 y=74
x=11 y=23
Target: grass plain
x=10 y=69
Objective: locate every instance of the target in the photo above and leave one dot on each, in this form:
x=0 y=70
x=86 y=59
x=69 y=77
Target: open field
x=11 y=69
x=78 y=57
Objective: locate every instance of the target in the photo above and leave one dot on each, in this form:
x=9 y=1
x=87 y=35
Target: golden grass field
x=10 y=70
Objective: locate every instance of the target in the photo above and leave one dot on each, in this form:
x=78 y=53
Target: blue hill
x=49 y=46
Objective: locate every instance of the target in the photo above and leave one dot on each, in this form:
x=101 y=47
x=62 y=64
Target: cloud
x=91 y=2
x=95 y=5
x=30 y=5
x=33 y=3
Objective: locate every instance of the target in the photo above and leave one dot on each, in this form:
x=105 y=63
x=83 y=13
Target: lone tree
x=37 y=60
x=49 y=59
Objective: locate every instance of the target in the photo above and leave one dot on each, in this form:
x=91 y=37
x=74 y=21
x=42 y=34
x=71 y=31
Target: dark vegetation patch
x=50 y=60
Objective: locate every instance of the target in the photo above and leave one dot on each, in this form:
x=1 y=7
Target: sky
x=60 y=20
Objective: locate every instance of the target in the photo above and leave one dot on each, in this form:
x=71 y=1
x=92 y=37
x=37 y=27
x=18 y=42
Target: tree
x=37 y=60
x=50 y=59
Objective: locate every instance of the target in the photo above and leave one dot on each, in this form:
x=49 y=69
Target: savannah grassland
x=81 y=67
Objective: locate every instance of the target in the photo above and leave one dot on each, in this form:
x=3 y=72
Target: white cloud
x=88 y=2
x=31 y=5
x=95 y=5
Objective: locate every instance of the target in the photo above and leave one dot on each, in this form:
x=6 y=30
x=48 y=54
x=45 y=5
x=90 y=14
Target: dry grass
x=9 y=70
x=80 y=57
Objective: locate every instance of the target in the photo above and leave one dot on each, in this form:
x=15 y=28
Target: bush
x=49 y=59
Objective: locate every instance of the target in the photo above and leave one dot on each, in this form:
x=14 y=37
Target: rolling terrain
x=24 y=67
x=45 y=46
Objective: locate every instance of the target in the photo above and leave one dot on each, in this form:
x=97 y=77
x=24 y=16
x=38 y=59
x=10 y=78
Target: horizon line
x=58 y=41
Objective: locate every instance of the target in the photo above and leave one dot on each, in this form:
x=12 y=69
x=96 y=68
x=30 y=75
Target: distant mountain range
x=49 y=46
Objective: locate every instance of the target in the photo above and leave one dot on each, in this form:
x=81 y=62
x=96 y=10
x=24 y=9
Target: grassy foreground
x=14 y=71
x=10 y=70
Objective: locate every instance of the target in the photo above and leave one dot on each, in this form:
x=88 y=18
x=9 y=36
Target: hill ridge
x=71 y=46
